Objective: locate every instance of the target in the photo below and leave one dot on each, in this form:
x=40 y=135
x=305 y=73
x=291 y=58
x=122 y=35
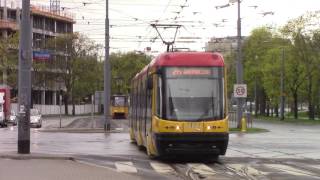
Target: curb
x=80 y=130
x=35 y=156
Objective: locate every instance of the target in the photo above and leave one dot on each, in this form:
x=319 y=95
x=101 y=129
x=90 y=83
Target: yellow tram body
x=119 y=106
x=169 y=115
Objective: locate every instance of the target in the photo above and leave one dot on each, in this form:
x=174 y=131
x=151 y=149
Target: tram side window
x=159 y=97
x=137 y=106
x=149 y=102
x=142 y=101
x=138 y=102
x=133 y=105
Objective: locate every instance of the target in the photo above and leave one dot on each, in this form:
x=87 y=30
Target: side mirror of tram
x=149 y=82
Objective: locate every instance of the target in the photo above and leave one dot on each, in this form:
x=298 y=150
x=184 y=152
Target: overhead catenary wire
x=132 y=22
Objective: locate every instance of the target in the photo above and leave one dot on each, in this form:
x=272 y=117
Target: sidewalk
x=50 y=122
x=41 y=167
x=84 y=124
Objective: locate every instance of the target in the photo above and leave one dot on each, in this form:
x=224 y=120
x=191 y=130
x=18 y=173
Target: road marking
x=125 y=166
x=290 y=170
x=162 y=168
x=246 y=170
x=202 y=169
x=316 y=166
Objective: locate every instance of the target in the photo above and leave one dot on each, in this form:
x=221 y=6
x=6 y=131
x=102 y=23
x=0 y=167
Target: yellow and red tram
x=178 y=105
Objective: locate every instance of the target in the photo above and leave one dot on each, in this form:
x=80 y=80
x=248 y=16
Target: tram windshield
x=194 y=93
x=119 y=101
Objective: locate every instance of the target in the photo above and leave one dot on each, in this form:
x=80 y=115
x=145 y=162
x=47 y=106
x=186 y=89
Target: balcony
x=7 y=24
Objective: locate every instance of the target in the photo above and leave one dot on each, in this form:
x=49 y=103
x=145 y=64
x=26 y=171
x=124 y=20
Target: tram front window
x=119 y=101
x=196 y=95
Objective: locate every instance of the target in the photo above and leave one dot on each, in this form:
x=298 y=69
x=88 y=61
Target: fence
x=55 y=109
x=233 y=123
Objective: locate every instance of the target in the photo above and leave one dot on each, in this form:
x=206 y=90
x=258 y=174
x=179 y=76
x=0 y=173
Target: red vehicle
x=179 y=105
x=5 y=105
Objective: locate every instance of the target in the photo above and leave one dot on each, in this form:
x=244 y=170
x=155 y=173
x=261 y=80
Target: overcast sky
x=130 y=19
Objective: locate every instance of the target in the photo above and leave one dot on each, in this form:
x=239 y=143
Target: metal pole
x=92 y=111
x=60 y=100
x=25 y=57
x=107 y=73
x=239 y=68
x=256 y=91
x=282 y=87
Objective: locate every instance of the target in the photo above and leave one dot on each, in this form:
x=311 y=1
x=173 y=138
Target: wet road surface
x=286 y=152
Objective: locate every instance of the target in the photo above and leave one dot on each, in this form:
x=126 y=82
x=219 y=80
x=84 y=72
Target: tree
x=255 y=47
x=124 y=66
x=297 y=30
x=315 y=44
x=70 y=50
x=88 y=81
x=9 y=58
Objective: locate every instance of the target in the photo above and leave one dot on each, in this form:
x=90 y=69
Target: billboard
x=41 y=56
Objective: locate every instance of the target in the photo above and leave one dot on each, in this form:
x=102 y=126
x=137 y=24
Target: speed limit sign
x=240 y=90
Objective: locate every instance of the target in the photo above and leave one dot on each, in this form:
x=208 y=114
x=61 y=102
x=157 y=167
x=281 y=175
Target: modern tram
x=178 y=105
x=119 y=106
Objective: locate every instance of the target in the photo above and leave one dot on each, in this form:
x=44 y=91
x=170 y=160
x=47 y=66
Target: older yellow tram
x=119 y=106
x=178 y=105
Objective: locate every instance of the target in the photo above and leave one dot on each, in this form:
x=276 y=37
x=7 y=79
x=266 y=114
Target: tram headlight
x=208 y=127
x=177 y=128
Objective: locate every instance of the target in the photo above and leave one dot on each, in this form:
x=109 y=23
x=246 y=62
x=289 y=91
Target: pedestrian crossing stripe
x=316 y=166
x=290 y=170
x=162 y=168
x=245 y=169
x=201 y=169
x=125 y=166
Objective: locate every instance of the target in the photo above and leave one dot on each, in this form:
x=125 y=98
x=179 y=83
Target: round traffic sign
x=240 y=90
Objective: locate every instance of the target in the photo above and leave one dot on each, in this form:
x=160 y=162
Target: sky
x=200 y=20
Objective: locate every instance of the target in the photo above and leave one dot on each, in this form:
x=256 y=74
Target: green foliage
x=289 y=120
x=231 y=72
x=9 y=58
x=90 y=80
x=249 y=130
x=77 y=66
x=299 y=40
x=256 y=57
x=124 y=66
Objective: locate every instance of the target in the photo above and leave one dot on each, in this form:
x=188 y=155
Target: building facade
x=224 y=45
x=47 y=23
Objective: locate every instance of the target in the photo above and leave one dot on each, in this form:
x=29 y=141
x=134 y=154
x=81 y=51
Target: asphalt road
x=286 y=152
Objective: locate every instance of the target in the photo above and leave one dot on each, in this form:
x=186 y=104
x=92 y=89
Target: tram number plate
x=194 y=126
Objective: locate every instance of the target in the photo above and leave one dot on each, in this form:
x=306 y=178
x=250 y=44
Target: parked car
x=13 y=119
x=35 y=118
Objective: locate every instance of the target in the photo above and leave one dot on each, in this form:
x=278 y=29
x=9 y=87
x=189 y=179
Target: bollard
x=243 y=125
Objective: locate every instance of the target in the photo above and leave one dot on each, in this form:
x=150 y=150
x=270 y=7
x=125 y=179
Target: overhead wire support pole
x=239 y=68
x=24 y=87
x=107 y=74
